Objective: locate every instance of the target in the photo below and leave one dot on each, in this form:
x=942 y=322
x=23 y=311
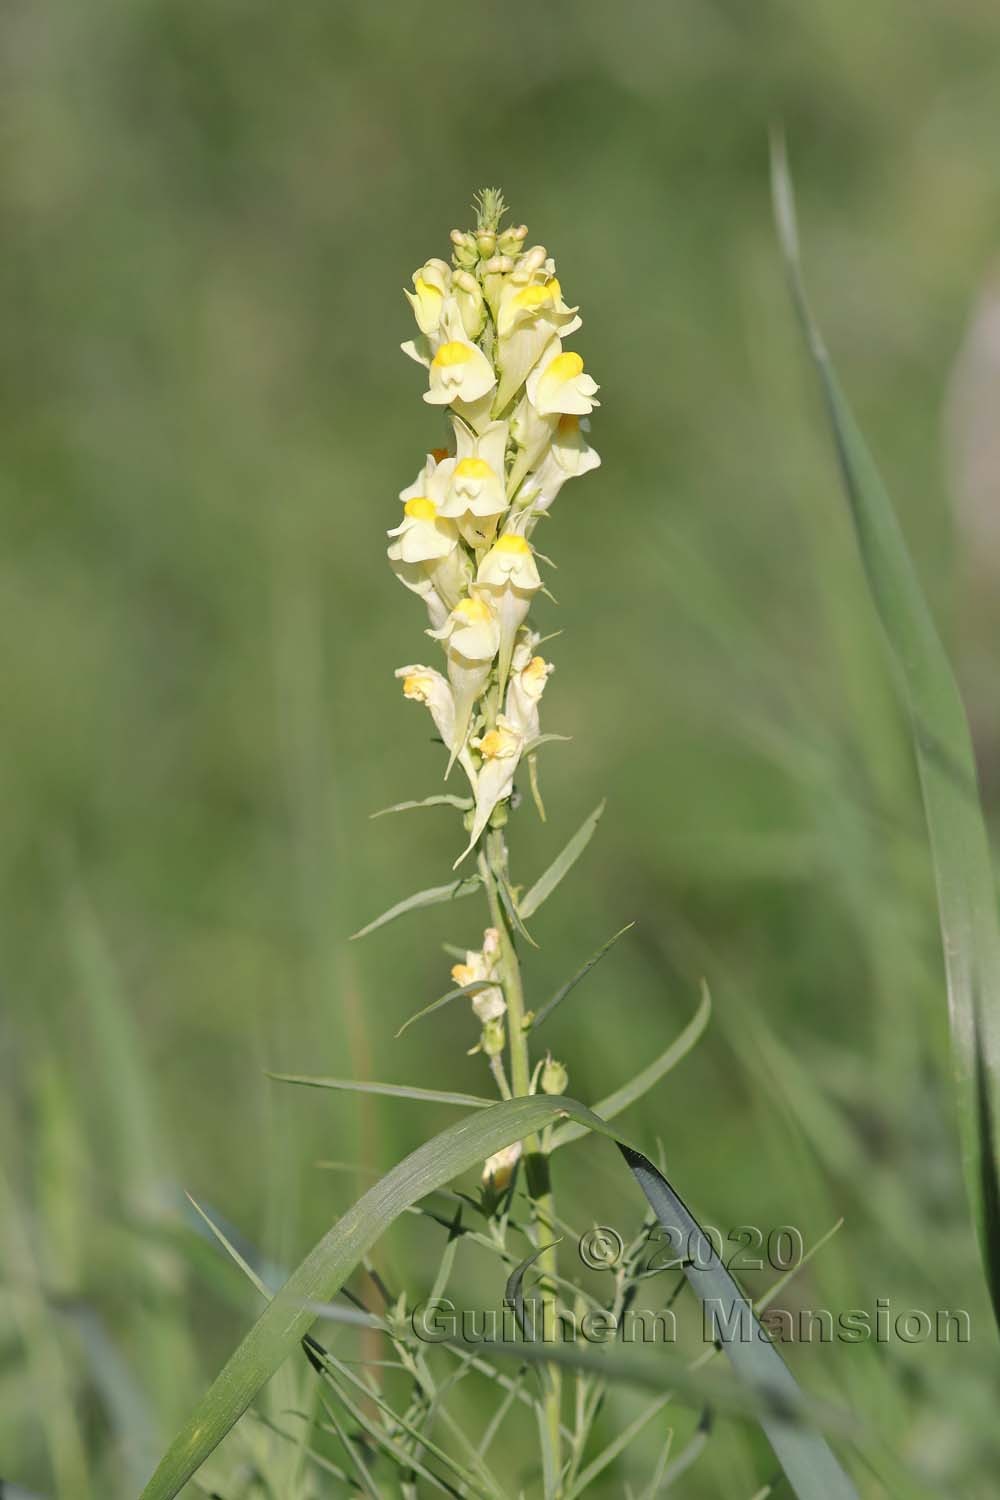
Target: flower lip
x=473 y=608
x=420 y=508
x=473 y=468
x=513 y=543
x=535 y=295
x=565 y=366
x=454 y=353
x=417 y=686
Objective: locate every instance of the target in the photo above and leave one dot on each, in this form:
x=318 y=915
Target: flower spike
x=491 y=328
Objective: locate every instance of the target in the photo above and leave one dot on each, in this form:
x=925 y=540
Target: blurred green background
x=209 y=210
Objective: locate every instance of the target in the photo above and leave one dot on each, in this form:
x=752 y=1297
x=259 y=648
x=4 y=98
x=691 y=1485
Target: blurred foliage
x=209 y=210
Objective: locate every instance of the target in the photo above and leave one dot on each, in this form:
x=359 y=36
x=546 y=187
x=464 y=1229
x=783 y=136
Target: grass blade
x=773 y=1396
x=582 y=971
x=431 y=897
x=958 y=838
x=561 y=865
x=809 y=1464
x=642 y=1082
x=288 y=1316
x=394 y=1090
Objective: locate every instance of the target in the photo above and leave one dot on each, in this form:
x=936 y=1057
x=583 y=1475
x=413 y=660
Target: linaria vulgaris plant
x=491 y=331
x=492 y=328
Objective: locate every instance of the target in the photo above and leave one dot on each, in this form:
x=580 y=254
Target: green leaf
x=291 y=1311
x=462 y=992
x=561 y=865
x=685 y=1458
x=394 y=1090
x=432 y=897
x=510 y=906
x=620 y=1100
x=443 y=799
x=617 y=1445
x=288 y=1316
x=809 y=1464
x=546 y=739
x=582 y=971
x=690 y=1382
x=958 y=838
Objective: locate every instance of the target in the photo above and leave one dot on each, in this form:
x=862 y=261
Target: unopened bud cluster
x=491 y=330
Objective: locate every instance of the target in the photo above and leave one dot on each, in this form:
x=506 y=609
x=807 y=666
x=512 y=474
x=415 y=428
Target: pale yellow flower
x=471 y=637
x=424 y=685
x=459 y=370
x=499 y=1168
x=559 y=383
x=431 y=286
x=500 y=749
x=509 y=575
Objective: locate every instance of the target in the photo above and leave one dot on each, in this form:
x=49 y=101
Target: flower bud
x=469 y=296
x=494 y=1037
x=533 y=260
x=486 y=243
x=499 y=1168
x=430 y=288
x=554 y=1077
x=465 y=253
x=511 y=240
x=497 y=265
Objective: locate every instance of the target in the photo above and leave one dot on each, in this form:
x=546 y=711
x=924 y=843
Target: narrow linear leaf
x=462 y=992
x=355 y=1457
x=561 y=865
x=230 y=1248
x=394 y=1090
x=288 y=1315
x=773 y=1394
x=809 y=1464
x=510 y=906
x=617 y=1445
x=442 y=799
x=546 y=739
x=536 y=792
x=777 y=1287
x=340 y=1375
x=595 y=958
x=689 y=1384
x=687 y=1456
x=642 y=1082
x=959 y=842
x=432 y=897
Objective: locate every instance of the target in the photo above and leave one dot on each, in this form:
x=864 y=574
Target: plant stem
x=493 y=865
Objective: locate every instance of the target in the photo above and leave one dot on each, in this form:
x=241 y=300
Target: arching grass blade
x=959 y=842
